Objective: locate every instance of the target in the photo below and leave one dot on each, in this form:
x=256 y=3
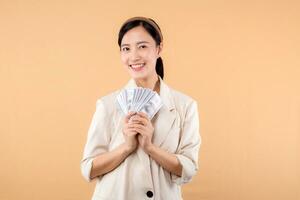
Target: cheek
x=124 y=59
x=151 y=56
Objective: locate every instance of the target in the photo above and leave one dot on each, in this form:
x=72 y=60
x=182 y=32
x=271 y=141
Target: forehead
x=137 y=34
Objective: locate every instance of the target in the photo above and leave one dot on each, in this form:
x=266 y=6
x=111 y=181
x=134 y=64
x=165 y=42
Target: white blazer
x=139 y=177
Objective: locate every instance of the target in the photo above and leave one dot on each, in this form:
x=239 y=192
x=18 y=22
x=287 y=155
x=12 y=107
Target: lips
x=137 y=66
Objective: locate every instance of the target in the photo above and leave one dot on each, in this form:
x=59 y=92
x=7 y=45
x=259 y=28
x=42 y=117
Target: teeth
x=137 y=65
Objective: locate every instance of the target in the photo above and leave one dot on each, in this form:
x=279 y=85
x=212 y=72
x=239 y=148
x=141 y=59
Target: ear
x=160 y=47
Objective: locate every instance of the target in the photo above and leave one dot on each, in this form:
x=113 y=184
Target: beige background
x=239 y=60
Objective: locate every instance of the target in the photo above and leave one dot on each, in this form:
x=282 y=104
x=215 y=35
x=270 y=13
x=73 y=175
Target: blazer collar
x=165 y=93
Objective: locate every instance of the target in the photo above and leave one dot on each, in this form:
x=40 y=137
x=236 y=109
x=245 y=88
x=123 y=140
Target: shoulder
x=181 y=99
x=108 y=101
x=185 y=105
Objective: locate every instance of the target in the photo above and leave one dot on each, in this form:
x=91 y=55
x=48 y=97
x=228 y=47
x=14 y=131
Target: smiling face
x=139 y=53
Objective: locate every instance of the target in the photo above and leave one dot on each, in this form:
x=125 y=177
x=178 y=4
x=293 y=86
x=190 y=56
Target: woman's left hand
x=143 y=126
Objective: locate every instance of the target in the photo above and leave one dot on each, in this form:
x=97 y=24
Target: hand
x=129 y=133
x=142 y=125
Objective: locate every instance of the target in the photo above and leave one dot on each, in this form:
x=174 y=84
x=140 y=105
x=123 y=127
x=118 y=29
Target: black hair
x=159 y=67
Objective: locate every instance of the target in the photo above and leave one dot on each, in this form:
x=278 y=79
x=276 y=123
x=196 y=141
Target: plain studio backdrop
x=239 y=59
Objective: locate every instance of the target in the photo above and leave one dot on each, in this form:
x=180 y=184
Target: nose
x=135 y=55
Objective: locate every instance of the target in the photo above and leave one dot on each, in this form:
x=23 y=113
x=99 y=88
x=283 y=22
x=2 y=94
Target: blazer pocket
x=171 y=142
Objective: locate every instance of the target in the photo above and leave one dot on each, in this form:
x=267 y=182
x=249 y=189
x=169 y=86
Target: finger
x=131 y=112
x=133 y=123
x=143 y=115
x=129 y=128
x=140 y=120
x=130 y=132
x=138 y=126
x=140 y=130
x=137 y=122
x=128 y=116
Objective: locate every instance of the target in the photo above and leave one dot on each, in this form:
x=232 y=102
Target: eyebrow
x=141 y=42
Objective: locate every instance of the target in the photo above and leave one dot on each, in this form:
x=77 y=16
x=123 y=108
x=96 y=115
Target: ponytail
x=159 y=67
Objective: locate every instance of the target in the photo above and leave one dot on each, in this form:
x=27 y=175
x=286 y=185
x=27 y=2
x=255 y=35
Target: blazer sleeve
x=188 y=149
x=97 y=139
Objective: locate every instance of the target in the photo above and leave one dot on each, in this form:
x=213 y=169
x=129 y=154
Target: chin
x=138 y=75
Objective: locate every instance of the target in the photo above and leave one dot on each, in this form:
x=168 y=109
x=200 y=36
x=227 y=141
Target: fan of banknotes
x=139 y=99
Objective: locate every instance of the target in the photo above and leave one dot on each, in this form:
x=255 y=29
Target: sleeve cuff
x=86 y=167
x=188 y=170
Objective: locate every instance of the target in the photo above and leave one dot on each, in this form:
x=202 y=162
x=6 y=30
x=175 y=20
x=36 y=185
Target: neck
x=149 y=82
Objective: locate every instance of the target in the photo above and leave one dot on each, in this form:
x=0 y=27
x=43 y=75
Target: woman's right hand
x=129 y=133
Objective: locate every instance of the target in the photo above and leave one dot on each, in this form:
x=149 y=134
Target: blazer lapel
x=165 y=118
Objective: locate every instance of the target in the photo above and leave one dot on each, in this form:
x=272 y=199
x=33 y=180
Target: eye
x=142 y=46
x=125 y=49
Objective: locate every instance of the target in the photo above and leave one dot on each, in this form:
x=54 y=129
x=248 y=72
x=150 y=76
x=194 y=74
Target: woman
x=131 y=156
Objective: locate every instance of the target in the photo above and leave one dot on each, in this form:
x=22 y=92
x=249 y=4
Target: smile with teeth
x=137 y=67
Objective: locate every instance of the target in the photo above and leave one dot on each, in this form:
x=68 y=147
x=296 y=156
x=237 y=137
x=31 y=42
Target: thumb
x=128 y=116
